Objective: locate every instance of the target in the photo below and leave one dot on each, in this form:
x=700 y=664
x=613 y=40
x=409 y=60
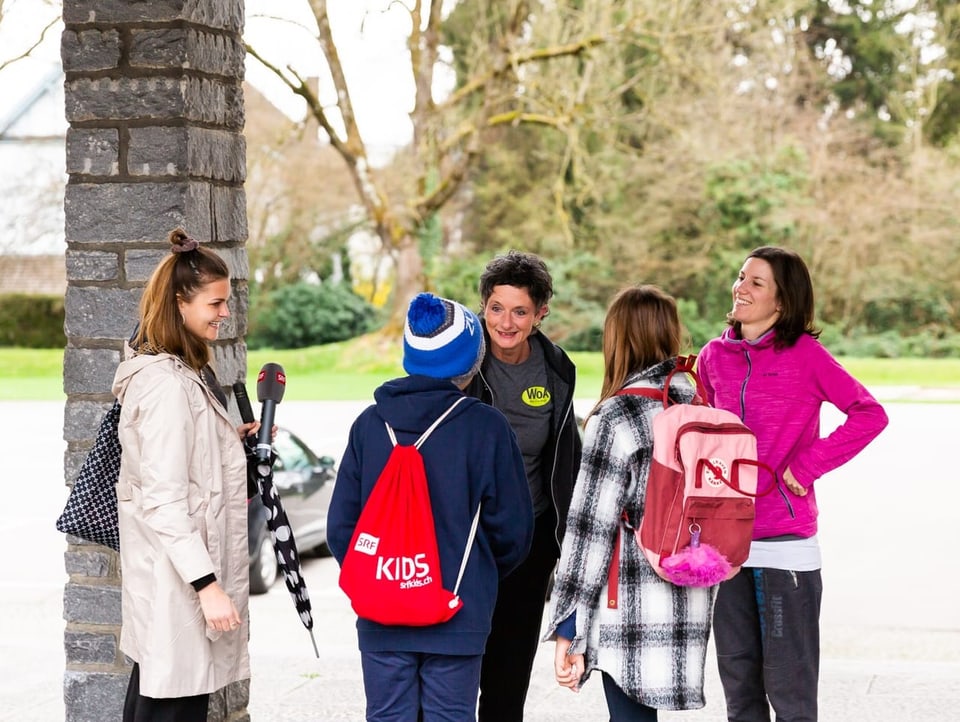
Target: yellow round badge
x=536 y=396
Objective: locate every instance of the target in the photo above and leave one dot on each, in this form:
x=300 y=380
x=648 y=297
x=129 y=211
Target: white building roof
x=32 y=158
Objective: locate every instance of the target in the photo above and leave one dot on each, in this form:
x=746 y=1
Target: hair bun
x=182 y=242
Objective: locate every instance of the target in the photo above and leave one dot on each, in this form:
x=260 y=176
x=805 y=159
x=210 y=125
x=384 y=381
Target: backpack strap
x=476 y=517
x=684 y=365
x=655 y=394
x=613 y=574
x=423 y=437
x=466 y=550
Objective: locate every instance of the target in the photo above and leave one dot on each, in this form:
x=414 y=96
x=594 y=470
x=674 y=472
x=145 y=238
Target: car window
x=291 y=454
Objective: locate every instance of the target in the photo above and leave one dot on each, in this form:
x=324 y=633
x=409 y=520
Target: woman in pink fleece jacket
x=770 y=369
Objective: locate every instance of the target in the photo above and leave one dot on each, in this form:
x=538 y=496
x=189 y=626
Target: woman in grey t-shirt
x=531 y=380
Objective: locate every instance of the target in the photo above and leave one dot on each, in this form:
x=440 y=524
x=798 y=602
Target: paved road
x=891 y=620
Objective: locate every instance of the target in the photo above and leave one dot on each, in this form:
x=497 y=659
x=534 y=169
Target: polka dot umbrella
x=260 y=458
x=284 y=544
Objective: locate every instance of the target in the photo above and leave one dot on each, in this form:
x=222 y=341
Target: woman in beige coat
x=181 y=498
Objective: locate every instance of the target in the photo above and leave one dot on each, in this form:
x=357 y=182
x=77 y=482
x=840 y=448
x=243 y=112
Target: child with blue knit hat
x=471 y=460
x=441 y=339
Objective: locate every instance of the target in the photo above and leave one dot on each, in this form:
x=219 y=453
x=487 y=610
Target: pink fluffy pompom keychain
x=696 y=565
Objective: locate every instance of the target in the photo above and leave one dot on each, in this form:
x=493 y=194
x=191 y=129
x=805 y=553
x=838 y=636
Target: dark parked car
x=305 y=483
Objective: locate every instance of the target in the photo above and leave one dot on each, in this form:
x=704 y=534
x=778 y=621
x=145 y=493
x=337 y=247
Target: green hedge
x=303 y=314
x=29 y=321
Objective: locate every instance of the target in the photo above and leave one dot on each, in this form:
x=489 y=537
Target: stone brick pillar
x=155 y=106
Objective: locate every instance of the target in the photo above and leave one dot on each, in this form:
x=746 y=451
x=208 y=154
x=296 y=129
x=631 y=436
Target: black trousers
x=137 y=708
x=515 y=634
x=766 y=625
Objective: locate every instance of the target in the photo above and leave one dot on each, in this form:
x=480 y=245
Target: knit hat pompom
x=441 y=338
x=425 y=314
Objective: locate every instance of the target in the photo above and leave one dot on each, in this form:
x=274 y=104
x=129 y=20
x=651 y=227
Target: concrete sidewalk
x=890 y=622
x=868 y=674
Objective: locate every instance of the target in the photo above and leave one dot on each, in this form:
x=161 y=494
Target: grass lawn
x=352 y=370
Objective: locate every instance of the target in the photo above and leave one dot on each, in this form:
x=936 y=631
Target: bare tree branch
x=332 y=56
x=449 y=184
x=300 y=87
x=415 y=46
x=515 y=117
x=535 y=55
x=515 y=60
x=423 y=45
x=26 y=53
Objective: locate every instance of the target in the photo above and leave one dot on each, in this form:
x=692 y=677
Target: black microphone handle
x=267 y=414
x=243 y=402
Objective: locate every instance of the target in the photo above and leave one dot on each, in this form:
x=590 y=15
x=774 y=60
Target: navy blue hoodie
x=471 y=458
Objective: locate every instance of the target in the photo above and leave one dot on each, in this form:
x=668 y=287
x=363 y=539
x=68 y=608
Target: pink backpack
x=698 y=516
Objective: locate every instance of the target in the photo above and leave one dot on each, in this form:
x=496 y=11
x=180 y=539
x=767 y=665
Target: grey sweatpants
x=766 y=624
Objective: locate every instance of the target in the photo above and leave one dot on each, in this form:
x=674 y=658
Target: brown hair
x=794 y=293
x=181 y=275
x=520 y=270
x=642 y=328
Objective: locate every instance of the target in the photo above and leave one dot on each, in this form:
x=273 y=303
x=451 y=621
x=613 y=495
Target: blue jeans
x=623 y=708
x=407 y=686
x=766 y=624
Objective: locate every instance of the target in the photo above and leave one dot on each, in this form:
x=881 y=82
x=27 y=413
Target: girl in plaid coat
x=651 y=647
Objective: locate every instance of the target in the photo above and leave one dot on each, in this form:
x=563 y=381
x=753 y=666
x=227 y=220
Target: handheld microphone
x=243 y=402
x=271 y=383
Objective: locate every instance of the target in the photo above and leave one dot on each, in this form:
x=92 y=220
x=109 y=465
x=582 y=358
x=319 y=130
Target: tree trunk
x=408 y=282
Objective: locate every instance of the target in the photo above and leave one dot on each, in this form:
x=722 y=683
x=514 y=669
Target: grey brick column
x=155 y=106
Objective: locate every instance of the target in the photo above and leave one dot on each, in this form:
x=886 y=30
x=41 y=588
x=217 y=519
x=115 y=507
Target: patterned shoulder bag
x=91 y=509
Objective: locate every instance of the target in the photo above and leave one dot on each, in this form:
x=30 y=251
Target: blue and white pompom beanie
x=441 y=338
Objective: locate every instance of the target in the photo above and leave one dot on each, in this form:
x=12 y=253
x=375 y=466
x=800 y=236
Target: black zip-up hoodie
x=560 y=458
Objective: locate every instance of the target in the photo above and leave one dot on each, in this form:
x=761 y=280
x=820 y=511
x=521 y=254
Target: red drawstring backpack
x=391 y=571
